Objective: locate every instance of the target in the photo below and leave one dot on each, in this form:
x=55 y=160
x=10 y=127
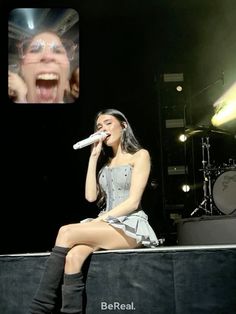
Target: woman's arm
x=91 y=190
x=140 y=174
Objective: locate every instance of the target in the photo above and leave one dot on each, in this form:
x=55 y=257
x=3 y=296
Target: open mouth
x=47 y=87
x=107 y=137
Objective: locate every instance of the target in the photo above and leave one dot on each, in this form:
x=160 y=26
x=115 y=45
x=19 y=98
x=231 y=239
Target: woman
x=119 y=185
x=44 y=69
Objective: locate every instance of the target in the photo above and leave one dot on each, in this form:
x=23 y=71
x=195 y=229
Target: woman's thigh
x=96 y=234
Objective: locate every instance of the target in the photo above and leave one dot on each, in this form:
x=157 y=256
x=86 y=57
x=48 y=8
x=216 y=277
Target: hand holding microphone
x=91 y=139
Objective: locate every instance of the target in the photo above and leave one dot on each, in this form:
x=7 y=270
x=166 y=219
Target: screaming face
x=45 y=68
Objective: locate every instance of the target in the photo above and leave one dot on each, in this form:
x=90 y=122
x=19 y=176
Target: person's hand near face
x=75 y=90
x=17 y=89
x=74 y=83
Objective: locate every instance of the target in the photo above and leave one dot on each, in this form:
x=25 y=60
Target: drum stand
x=207 y=202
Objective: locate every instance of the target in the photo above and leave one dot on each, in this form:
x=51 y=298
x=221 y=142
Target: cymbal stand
x=207 y=202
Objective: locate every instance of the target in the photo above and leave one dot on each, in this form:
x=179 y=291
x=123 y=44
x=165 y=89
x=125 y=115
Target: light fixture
x=179 y=88
x=183 y=138
x=225 y=107
x=30 y=24
x=174 y=123
x=185 y=188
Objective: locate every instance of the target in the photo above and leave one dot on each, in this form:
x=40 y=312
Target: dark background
x=126 y=47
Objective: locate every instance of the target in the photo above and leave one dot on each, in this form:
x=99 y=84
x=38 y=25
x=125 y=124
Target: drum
x=224 y=192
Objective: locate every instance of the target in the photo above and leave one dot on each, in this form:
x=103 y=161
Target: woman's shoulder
x=142 y=154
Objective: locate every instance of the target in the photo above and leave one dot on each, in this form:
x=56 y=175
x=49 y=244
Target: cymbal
x=205 y=130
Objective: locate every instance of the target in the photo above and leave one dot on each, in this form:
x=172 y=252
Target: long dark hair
x=129 y=144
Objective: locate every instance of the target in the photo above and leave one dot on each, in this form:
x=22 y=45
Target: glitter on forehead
x=43 y=43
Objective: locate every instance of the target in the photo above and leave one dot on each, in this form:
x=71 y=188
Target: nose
x=47 y=55
x=102 y=128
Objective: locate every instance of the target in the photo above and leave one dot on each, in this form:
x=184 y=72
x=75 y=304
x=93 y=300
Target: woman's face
x=45 y=68
x=112 y=125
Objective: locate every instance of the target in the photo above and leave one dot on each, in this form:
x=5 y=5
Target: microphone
x=91 y=139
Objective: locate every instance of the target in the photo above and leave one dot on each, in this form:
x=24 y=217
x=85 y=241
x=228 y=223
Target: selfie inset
x=43 y=50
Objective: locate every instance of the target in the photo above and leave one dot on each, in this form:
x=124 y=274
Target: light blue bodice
x=116 y=181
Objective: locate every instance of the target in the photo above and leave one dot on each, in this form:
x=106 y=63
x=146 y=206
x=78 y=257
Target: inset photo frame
x=43 y=55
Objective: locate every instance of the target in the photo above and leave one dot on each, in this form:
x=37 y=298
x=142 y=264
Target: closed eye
x=36 y=47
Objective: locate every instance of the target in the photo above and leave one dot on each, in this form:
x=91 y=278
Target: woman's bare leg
x=76 y=257
x=96 y=235
x=85 y=239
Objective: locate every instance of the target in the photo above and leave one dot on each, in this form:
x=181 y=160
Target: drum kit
x=219 y=183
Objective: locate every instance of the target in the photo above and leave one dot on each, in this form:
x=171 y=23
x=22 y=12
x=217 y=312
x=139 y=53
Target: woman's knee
x=77 y=255
x=64 y=236
x=73 y=256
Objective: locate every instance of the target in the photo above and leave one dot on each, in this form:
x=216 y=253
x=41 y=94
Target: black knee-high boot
x=72 y=294
x=46 y=295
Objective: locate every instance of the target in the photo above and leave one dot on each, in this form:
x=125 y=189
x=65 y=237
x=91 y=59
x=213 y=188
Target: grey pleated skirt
x=136 y=226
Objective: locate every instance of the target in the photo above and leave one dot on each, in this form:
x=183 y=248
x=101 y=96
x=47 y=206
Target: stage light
x=30 y=24
x=225 y=107
x=179 y=88
x=185 y=188
x=183 y=138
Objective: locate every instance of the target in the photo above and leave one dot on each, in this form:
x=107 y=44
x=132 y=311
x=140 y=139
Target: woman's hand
x=16 y=87
x=98 y=219
x=96 y=148
x=75 y=90
x=102 y=217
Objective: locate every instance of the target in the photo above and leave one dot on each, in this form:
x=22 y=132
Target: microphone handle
x=90 y=140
